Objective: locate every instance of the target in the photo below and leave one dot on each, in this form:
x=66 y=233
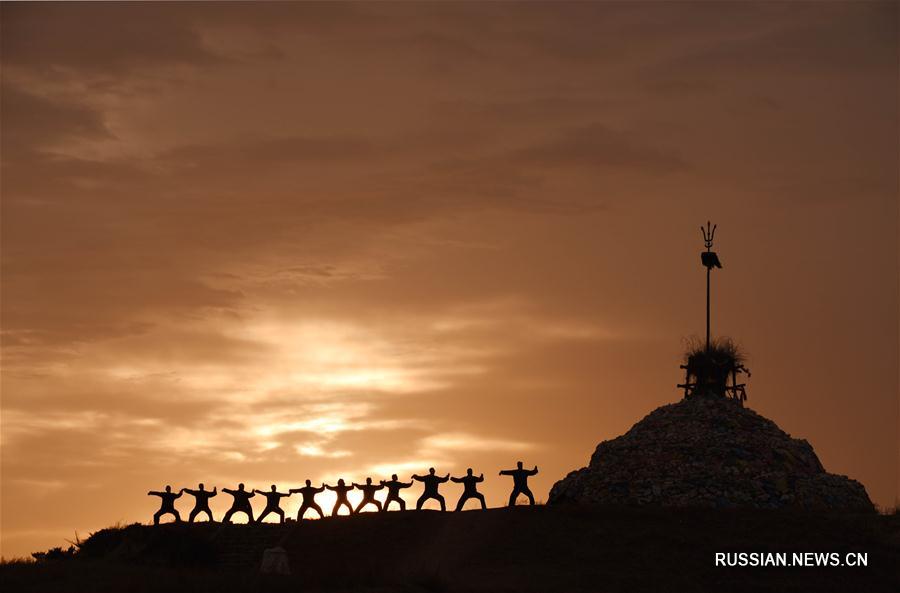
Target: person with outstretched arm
x=470 y=489
x=201 y=502
x=520 y=482
x=430 y=491
x=309 y=499
x=167 y=506
x=341 y=490
x=393 y=492
x=241 y=503
x=368 y=489
x=273 y=504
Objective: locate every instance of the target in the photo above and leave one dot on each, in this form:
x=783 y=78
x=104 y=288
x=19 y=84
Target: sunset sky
x=285 y=241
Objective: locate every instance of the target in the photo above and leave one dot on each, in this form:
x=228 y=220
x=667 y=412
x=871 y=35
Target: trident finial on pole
x=710 y=260
x=708 y=235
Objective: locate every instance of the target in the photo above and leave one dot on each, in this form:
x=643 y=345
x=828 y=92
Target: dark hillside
x=540 y=549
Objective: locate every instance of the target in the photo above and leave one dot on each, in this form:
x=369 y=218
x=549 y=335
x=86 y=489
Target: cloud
x=268 y=152
x=598 y=146
x=443 y=443
x=111 y=40
x=33 y=123
x=805 y=40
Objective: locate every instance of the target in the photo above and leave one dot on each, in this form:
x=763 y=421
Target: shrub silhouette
x=722 y=349
x=709 y=368
x=172 y=546
x=54 y=554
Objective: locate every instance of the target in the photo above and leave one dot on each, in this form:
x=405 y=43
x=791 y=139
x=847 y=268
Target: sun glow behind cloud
x=328 y=357
x=301 y=358
x=302 y=385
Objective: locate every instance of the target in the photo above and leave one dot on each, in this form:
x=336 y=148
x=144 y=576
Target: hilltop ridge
x=541 y=549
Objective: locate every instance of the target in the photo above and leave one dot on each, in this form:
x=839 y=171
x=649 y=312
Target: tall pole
x=707 y=307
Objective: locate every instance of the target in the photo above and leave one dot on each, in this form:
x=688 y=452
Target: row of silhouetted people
x=431 y=482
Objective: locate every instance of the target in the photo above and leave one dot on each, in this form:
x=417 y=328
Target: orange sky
x=271 y=242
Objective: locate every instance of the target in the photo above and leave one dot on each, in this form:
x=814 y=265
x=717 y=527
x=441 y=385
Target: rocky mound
x=710 y=452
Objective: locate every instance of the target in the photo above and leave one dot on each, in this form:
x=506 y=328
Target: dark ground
x=539 y=549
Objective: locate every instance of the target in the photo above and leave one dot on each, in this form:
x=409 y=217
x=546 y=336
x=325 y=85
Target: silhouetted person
x=393 y=492
x=167 y=507
x=470 y=484
x=309 y=499
x=201 y=502
x=520 y=482
x=431 y=482
x=341 y=490
x=273 y=504
x=241 y=503
x=368 y=489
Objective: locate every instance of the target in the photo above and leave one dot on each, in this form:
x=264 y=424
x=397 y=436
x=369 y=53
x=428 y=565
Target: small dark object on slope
x=55 y=554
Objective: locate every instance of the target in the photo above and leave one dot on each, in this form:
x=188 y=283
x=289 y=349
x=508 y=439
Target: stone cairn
x=709 y=451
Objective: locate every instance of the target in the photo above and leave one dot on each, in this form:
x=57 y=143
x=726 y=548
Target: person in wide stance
x=167 y=506
x=201 y=502
x=309 y=499
x=368 y=489
x=431 y=482
x=470 y=484
x=273 y=504
x=241 y=503
x=393 y=492
x=520 y=482
x=341 y=490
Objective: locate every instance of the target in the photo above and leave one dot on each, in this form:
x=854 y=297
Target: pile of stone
x=709 y=451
